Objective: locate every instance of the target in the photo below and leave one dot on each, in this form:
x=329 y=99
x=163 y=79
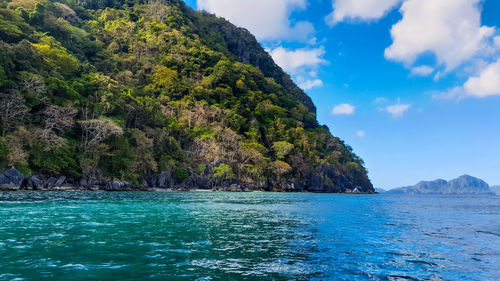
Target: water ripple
x=246 y=236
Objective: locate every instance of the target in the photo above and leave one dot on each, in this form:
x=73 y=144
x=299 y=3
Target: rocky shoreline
x=13 y=180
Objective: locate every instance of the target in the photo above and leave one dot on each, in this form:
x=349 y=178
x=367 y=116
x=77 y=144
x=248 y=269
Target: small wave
x=75 y=266
x=488 y=232
x=423 y=262
x=402 y=278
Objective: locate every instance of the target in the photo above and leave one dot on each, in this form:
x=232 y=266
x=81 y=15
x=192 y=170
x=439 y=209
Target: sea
x=247 y=236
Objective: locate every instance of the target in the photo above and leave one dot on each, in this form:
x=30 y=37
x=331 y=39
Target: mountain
x=152 y=93
x=495 y=189
x=380 y=190
x=464 y=185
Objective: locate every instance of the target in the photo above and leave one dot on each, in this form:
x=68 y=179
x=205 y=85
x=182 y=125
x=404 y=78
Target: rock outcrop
x=15 y=180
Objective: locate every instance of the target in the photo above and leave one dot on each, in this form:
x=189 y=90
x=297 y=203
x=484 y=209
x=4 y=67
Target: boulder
x=5 y=183
x=14 y=176
x=234 y=188
x=51 y=182
x=32 y=183
x=116 y=185
x=86 y=183
x=60 y=181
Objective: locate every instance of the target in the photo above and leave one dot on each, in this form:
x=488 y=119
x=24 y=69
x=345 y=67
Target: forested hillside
x=154 y=93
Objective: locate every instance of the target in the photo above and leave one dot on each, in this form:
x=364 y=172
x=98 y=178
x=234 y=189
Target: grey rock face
x=14 y=176
x=5 y=182
x=60 y=181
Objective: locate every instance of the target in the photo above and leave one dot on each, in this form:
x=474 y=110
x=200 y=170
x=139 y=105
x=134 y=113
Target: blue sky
x=412 y=85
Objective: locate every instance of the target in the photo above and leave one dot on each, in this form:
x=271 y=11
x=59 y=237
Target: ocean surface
x=247 y=236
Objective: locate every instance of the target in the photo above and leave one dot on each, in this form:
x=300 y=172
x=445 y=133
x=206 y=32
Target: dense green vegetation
x=126 y=89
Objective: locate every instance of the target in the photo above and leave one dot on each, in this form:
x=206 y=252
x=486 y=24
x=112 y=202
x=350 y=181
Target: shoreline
x=13 y=180
x=166 y=190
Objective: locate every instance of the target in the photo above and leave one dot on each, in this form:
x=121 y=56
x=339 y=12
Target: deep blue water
x=247 y=236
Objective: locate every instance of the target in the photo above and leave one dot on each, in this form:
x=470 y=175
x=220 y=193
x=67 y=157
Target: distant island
x=464 y=185
x=495 y=189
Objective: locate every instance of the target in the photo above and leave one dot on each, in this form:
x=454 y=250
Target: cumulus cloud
x=362 y=10
x=292 y=61
x=310 y=84
x=487 y=83
x=496 y=42
x=302 y=64
x=267 y=20
x=423 y=70
x=449 y=29
x=397 y=110
x=343 y=109
x=360 y=134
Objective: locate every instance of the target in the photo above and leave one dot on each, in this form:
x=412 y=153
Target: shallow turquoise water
x=247 y=236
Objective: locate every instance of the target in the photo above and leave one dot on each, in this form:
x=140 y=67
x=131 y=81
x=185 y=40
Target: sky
x=412 y=85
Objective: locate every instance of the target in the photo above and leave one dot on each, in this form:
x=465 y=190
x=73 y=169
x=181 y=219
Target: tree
x=164 y=77
x=49 y=139
x=281 y=149
x=17 y=154
x=280 y=168
x=33 y=84
x=180 y=175
x=4 y=153
x=144 y=162
x=56 y=119
x=3 y=77
x=96 y=131
x=59 y=58
x=157 y=9
x=223 y=172
x=13 y=111
x=59 y=118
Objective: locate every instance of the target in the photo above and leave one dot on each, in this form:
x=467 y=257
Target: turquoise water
x=247 y=236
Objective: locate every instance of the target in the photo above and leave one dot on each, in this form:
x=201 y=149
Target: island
x=464 y=185
x=495 y=189
x=155 y=95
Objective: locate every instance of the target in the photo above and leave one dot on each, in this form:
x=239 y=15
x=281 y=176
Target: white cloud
x=267 y=20
x=456 y=93
x=381 y=100
x=361 y=134
x=487 y=83
x=423 y=70
x=302 y=64
x=362 y=10
x=309 y=84
x=292 y=61
x=397 y=110
x=449 y=29
x=343 y=109
x=496 y=42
